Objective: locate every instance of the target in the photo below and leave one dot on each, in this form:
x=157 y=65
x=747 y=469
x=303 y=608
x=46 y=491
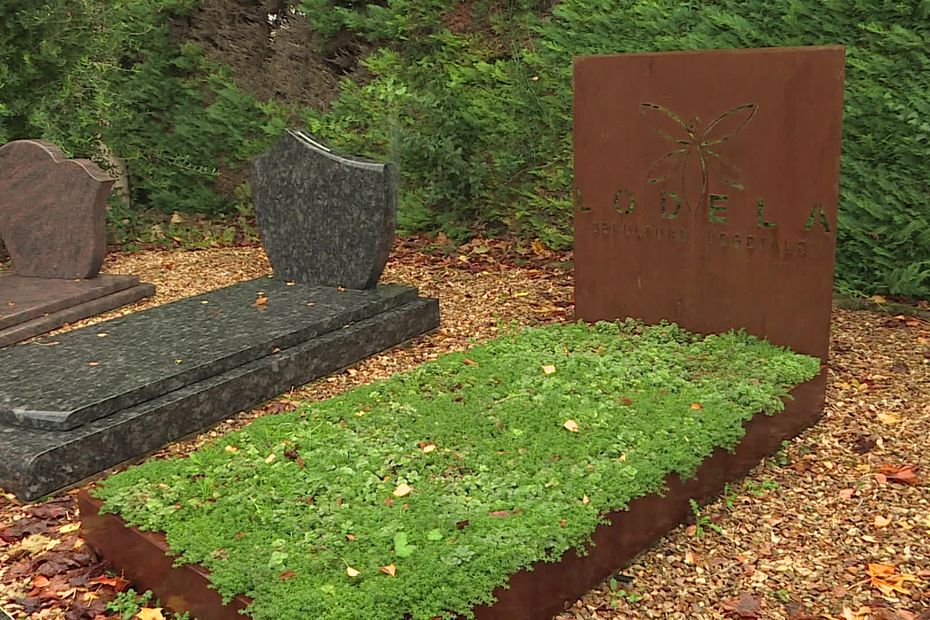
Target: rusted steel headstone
x=706 y=186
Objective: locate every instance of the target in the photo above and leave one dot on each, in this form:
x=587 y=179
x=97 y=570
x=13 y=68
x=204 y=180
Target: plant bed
x=499 y=482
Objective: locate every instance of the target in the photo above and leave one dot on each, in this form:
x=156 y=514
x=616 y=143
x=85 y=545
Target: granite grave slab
x=53 y=224
x=91 y=373
x=325 y=218
x=36 y=462
x=75 y=404
x=33 y=306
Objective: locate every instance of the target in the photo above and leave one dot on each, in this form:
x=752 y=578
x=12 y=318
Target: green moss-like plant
x=456 y=474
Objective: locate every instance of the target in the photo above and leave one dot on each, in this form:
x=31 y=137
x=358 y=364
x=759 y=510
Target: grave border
x=534 y=594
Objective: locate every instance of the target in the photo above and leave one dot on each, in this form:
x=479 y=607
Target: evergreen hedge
x=472 y=99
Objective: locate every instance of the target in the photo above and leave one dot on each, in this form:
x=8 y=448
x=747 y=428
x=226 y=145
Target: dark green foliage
x=287 y=509
x=471 y=99
x=483 y=118
x=86 y=72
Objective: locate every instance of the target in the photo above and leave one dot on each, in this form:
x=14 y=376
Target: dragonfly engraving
x=695 y=145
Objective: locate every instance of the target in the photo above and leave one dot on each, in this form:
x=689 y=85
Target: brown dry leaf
x=150 y=613
x=906 y=474
x=743 y=606
x=390 y=569
x=860 y=614
x=888 y=418
x=585 y=500
x=697 y=406
x=846 y=493
x=117 y=583
x=881 y=521
x=571 y=425
x=40 y=582
x=351 y=572
x=548 y=369
x=469 y=362
x=883 y=578
x=288 y=574
x=426 y=448
x=402 y=490
x=879 y=299
x=260 y=301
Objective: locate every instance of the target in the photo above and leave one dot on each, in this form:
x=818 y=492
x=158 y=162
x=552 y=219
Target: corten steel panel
x=706 y=187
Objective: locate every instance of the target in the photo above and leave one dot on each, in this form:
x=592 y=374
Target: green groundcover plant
x=417 y=496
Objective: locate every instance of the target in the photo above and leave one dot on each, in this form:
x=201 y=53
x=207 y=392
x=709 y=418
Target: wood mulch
x=837 y=526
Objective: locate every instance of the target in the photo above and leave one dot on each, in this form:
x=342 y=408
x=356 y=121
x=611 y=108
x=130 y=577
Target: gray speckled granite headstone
x=325 y=219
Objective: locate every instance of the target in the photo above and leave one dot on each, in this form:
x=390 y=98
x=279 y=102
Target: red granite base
x=33 y=306
x=532 y=595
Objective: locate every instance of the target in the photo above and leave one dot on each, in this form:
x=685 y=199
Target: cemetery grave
x=704 y=277
x=53 y=223
x=101 y=395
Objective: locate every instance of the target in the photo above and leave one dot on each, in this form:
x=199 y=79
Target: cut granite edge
x=52 y=321
x=82 y=291
x=377 y=300
x=535 y=593
x=33 y=467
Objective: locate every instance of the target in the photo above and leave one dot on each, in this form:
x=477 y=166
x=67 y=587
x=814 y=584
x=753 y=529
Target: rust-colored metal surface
x=532 y=595
x=706 y=188
x=143 y=558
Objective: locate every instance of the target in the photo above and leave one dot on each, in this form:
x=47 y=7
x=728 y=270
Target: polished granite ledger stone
x=36 y=462
x=92 y=372
x=33 y=306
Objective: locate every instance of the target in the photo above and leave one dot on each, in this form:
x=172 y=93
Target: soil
x=272 y=51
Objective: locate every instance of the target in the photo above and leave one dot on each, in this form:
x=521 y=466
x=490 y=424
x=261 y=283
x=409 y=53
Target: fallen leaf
x=390 y=569
x=881 y=521
x=624 y=400
x=402 y=490
x=117 y=583
x=888 y=418
x=69 y=527
x=697 y=406
x=150 y=613
x=351 y=572
x=883 y=577
x=571 y=425
x=499 y=513
x=906 y=474
x=40 y=582
x=286 y=575
x=744 y=606
x=469 y=362
x=585 y=500
x=231 y=449
x=426 y=448
x=261 y=300
x=878 y=299
x=548 y=369
x=270 y=458
x=846 y=493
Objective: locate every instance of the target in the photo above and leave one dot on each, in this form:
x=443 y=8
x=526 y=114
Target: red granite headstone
x=53 y=224
x=706 y=188
x=52 y=211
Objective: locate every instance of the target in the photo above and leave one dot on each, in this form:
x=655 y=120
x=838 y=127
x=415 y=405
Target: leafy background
x=471 y=98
